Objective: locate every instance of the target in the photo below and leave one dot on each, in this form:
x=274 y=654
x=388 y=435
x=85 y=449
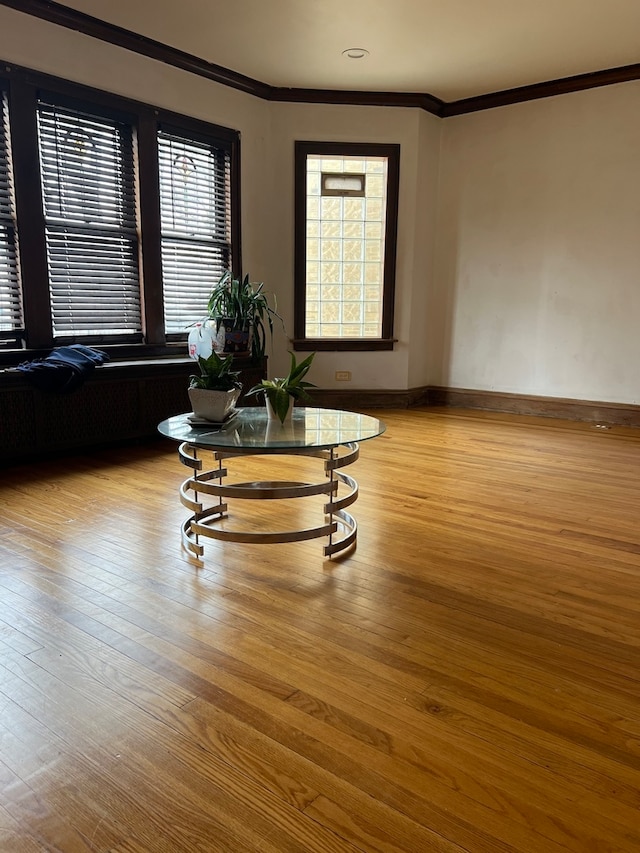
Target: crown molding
x=359 y=98
x=63 y=16
x=57 y=13
x=562 y=86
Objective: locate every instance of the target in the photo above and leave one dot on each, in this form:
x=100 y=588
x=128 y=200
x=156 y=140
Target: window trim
x=24 y=87
x=353 y=149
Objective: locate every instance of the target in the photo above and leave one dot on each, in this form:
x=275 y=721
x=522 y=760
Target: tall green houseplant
x=244 y=306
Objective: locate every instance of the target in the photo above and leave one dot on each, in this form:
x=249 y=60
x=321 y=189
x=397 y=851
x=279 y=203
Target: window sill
x=131 y=368
x=343 y=344
x=117 y=353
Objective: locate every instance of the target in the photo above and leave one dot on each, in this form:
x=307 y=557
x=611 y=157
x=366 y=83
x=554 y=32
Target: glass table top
x=250 y=429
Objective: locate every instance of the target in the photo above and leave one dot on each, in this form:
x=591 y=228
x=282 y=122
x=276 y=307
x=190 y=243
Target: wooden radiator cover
x=120 y=401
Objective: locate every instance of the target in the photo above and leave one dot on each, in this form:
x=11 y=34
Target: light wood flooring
x=467 y=680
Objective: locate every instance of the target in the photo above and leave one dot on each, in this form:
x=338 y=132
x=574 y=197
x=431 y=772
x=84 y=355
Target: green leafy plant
x=280 y=391
x=215 y=374
x=246 y=305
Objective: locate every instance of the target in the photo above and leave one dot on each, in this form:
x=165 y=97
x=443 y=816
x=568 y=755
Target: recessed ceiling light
x=355 y=52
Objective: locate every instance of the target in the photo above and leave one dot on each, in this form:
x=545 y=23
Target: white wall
x=425 y=321
x=538 y=260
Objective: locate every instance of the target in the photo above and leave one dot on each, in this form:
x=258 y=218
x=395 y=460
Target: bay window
x=116 y=218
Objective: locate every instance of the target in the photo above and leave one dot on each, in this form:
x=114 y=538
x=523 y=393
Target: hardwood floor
x=466 y=680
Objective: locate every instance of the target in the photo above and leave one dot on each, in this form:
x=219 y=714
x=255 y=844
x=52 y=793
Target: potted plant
x=214 y=392
x=281 y=394
x=243 y=308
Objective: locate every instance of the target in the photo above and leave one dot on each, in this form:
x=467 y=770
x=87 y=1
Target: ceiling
x=451 y=49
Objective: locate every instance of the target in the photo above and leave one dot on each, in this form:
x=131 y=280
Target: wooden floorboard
x=466 y=680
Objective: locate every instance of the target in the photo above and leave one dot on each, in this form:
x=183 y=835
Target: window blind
x=10 y=302
x=195 y=213
x=89 y=198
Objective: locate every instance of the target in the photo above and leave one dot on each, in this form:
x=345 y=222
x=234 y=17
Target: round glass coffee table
x=328 y=434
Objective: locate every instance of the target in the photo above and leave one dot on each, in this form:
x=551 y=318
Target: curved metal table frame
x=327 y=434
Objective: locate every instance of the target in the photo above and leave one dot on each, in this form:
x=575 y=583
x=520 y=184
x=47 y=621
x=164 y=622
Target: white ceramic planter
x=272 y=415
x=213 y=405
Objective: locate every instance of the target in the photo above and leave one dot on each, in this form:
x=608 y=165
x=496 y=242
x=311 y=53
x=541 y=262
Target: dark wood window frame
x=303 y=150
x=24 y=88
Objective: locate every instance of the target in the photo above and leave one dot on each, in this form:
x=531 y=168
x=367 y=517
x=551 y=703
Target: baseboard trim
x=622 y=414
x=334 y=398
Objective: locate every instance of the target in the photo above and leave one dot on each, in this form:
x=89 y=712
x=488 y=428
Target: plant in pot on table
x=214 y=392
x=281 y=394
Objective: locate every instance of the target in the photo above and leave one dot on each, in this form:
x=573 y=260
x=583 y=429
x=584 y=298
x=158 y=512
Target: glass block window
x=344 y=264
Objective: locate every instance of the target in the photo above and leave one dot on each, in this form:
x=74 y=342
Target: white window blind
x=195 y=212
x=89 y=196
x=10 y=303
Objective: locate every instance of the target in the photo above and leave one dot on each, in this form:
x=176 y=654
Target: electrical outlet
x=343 y=375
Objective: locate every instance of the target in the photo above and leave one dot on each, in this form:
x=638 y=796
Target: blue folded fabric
x=64 y=369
